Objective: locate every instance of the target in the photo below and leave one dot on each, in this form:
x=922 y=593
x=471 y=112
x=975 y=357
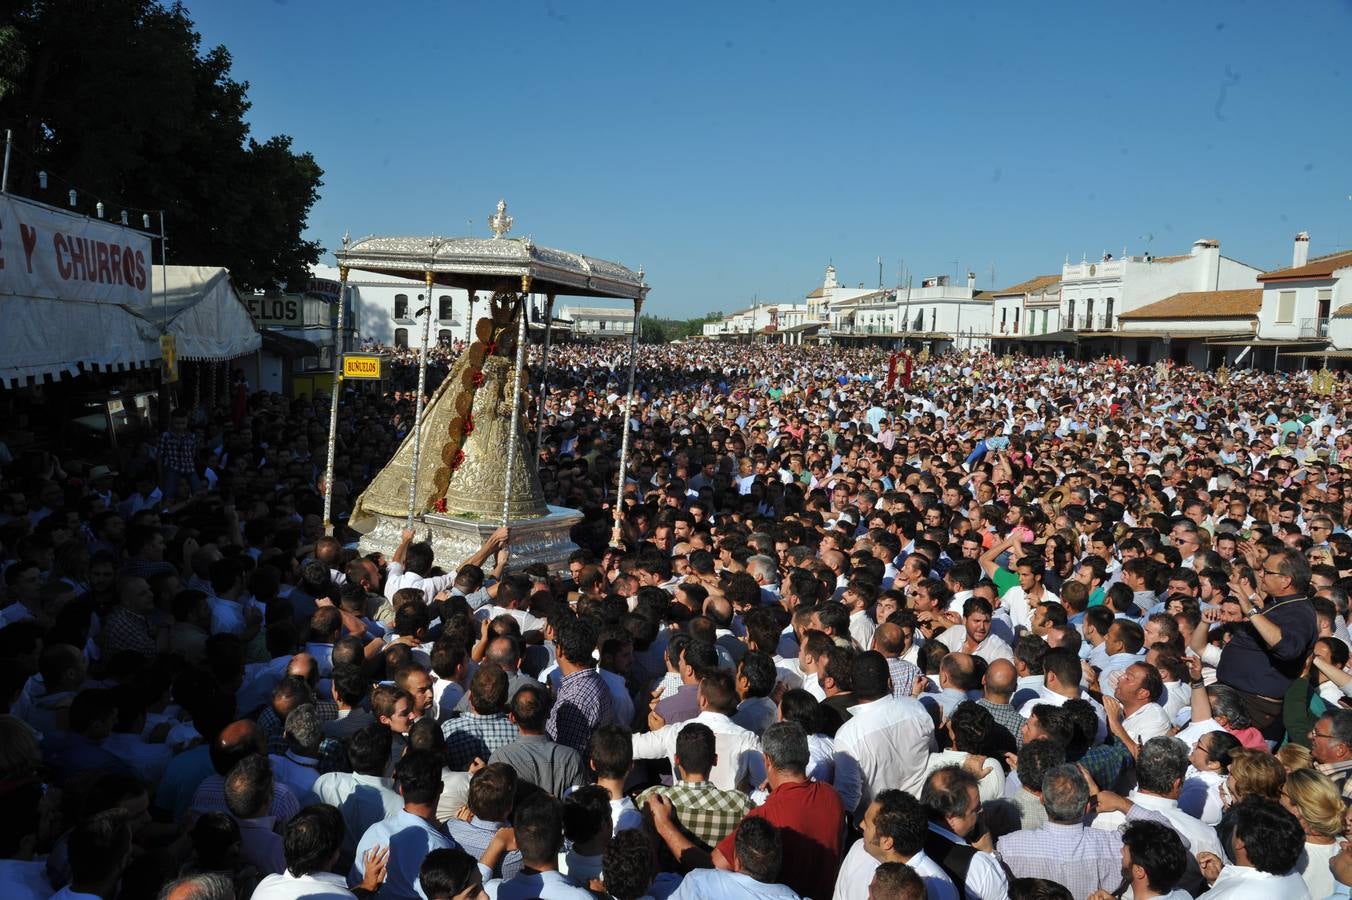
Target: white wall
x=1306 y=307
x=1134 y=283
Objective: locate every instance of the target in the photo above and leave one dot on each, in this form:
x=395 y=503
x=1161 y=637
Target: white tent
x=205 y=315
x=41 y=337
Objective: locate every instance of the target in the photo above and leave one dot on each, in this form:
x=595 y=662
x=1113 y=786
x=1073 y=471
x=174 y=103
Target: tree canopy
x=653 y=330
x=117 y=99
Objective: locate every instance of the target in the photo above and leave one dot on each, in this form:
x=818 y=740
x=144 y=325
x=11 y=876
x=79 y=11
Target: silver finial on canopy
x=500 y=223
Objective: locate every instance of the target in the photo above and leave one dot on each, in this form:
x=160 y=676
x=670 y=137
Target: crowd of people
x=1000 y=627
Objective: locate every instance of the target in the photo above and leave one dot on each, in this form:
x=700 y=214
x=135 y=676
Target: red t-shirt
x=810 y=819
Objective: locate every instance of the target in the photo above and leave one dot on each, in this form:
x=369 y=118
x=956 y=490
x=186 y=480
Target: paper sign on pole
x=169 y=356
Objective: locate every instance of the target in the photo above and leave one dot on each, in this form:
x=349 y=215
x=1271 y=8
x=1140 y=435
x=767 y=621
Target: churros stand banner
x=47 y=254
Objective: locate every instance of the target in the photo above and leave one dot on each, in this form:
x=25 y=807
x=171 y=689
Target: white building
x=1094 y=295
x=762 y=319
x=384 y=309
x=1310 y=300
x=599 y=322
x=1026 y=308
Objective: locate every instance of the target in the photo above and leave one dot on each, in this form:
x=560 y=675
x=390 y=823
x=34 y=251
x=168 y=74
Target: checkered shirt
x=705 y=811
x=471 y=735
x=1339 y=772
x=903 y=675
x=332 y=752
x=178 y=452
x=1005 y=715
x=127 y=630
x=582 y=706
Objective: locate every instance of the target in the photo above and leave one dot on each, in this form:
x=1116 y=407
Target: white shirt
x=1314 y=868
x=624 y=815
x=620 y=701
x=885 y=744
x=1020 y=613
x=739 y=765
x=296 y=772
x=1246 y=883
x=856 y=871
x=363 y=801
x=812 y=684
x=226 y=616
x=410 y=839
x=1147 y=722
x=986 y=878
x=989 y=788
x=1198 y=836
x=1177 y=697
x=862 y=628
x=992 y=648
x=1201 y=796
x=397 y=578
x=319 y=886
x=541 y=885
x=527 y=621
x=718 y=884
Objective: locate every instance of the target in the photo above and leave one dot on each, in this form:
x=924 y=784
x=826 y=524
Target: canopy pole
x=516 y=397
x=333 y=402
x=628 y=412
x=422 y=390
x=544 y=375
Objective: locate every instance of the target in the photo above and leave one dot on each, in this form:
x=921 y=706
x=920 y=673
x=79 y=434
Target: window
x=401 y=337
x=603 y=325
x=1286 y=307
x=1089 y=313
x=444 y=337
x=445 y=309
x=1108 y=313
x=1070 y=312
x=1046 y=315
x=1016 y=320
x=401 y=307
x=1324 y=301
x=934 y=319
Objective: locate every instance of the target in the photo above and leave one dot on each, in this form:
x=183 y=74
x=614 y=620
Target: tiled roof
x=1319 y=267
x=819 y=292
x=1343 y=312
x=1202 y=305
x=1031 y=286
x=1170 y=259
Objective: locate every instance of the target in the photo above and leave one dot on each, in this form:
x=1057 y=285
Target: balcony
x=1314 y=327
x=1094 y=322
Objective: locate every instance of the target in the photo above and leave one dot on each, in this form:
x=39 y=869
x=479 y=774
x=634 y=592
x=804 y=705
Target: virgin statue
x=466 y=430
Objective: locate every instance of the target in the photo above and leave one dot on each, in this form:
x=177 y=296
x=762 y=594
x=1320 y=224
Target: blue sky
x=733 y=149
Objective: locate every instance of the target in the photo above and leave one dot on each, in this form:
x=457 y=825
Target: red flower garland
x=456 y=463
x=440 y=505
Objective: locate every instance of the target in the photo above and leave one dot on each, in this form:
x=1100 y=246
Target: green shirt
x=1004 y=580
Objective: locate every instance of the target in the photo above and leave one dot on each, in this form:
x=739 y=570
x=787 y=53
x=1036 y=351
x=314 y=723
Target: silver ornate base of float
x=541 y=539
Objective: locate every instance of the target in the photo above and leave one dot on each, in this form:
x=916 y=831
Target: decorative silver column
x=333 y=403
x=628 y=412
x=516 y=397
x=544 y=374
x=422 y=391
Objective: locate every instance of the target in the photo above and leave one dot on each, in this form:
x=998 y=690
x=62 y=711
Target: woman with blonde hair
x=1314 y=799
x=1252 y=773
x=1295 y=756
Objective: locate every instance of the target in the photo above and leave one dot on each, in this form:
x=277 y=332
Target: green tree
x=118 y=99
x=652 y=330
